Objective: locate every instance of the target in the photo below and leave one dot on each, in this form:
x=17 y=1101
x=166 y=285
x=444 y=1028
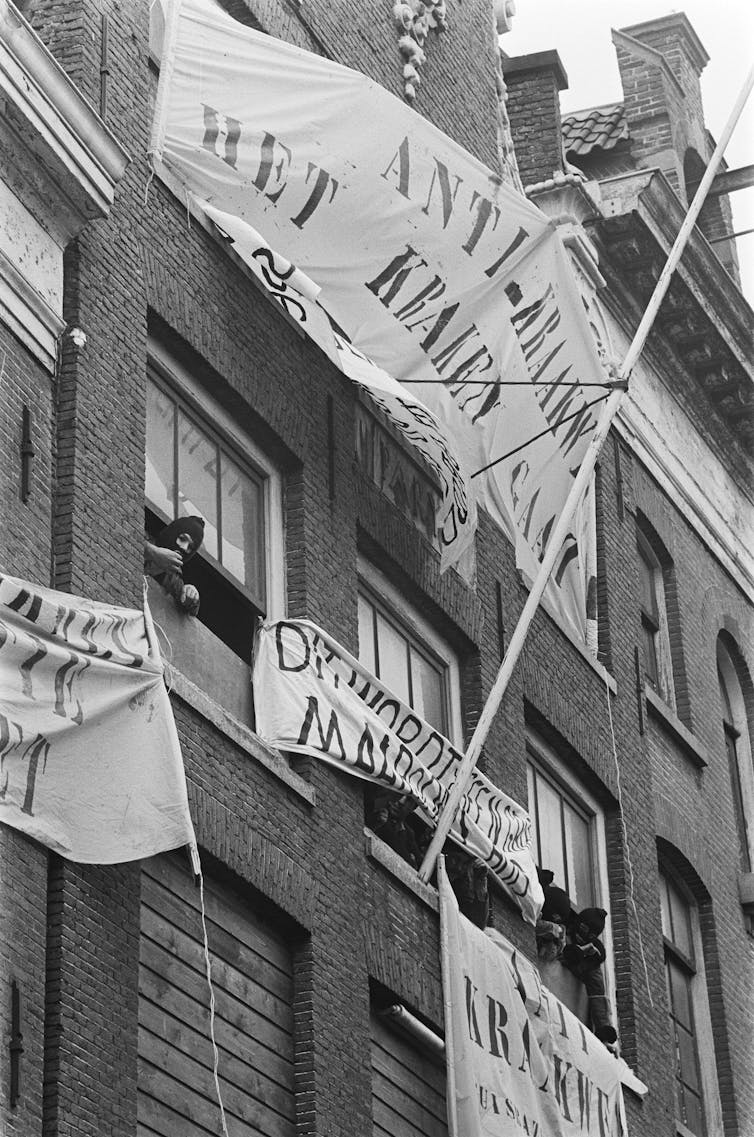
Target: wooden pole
x=562 y=528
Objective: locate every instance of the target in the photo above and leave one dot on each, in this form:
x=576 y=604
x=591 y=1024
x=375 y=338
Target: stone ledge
x=672 y=725
x=241 y=735
x=746 y=889
x=378 y=851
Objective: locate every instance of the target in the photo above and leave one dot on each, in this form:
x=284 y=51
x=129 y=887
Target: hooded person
x=555 y=915
x=584 y=955
x=166 y=556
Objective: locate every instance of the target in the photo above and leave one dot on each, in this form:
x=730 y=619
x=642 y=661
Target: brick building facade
x=317 y=927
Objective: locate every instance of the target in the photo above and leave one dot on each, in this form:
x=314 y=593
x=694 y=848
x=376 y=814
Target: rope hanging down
x=542 y=433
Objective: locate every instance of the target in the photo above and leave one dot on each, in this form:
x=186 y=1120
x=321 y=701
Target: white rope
x=208 y=969
x=626 y=844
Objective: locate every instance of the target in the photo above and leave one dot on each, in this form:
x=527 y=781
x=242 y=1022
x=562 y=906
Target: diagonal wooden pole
x=446 y=818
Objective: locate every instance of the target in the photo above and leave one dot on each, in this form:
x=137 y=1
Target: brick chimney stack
x=534 y=84
x=660 y=63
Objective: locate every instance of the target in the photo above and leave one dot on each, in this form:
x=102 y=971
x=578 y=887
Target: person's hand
x=190 y=599
x=159 y=560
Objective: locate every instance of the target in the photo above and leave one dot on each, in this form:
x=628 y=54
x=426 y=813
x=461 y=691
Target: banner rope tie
x=208 y=970
x=627 y=845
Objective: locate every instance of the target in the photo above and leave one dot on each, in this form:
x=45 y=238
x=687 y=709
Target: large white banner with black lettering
x=430 y=265
x=89 y=758
x=312 y=697
x=519 y=1062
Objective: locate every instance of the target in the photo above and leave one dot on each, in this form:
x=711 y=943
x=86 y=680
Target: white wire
x=208 y=969
x=626 y=844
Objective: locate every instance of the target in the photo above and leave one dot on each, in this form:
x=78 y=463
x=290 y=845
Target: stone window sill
x=672 y=725
x=241 y=735
x=378 y=851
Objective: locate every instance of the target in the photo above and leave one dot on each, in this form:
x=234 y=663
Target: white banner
x=519 y=1062
x=312 y=697
x=456 y=515
x=89 y=758
x=431 y=266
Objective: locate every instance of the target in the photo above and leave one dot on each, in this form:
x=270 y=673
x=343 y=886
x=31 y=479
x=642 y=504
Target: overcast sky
x=580 y=31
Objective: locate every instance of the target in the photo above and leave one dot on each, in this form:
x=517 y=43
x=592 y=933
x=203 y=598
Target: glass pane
x=393 y=658
x=530 y=776
x=160 y=483
x=579 y=853
x=242 y=526
x=647 y=584
x=428 y=691
x=725 y=697
x=680 y=995
x=551 y=832
x=680 y=915
x=197 y=478
x=692 y=1115
x=667 y=929
x=687 y=1059
x=649 y=638
x=366 y=634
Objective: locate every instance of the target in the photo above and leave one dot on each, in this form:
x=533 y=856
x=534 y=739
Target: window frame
x=655 y=623
x=693 y=966
x=379 y=590
x=737 y=741
x=178 y=384
x=544 y=758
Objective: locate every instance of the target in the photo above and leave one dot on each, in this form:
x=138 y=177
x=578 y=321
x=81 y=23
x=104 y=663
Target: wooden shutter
x=408 y=1087
x=252 y=978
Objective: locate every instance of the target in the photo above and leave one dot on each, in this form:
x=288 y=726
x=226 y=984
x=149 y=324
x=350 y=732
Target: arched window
x=732 y=677
x=698 y=1111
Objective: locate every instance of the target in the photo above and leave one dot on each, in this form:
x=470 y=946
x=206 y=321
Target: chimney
x=534 y=83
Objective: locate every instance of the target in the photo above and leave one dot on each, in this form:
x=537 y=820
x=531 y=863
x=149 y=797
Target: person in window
x=386 y=816
x=164 y=559
x=555 y=914
x=583 y=955
x=468 y=879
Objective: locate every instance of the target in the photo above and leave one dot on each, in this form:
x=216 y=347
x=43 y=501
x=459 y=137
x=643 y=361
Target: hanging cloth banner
x=312 y=697
x=90 y=763
x=433 y=268
x=456 y=515
x=519 y=1062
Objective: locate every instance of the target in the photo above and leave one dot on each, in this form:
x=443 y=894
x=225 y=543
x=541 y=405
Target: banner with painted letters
x=456 y=515
x=520 y=1064
x=428 y=263
x=312 y=697
x=90 y=763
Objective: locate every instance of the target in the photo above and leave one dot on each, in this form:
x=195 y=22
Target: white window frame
x=666 y=686
x=371 y=580
x=540 y=754
x=705 y=1039
x=220 y=422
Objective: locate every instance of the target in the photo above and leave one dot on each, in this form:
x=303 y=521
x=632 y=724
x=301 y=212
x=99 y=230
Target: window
x=197 y=462
x=737 y=744
x=654 y=622
x=568 y=838
x=408 y=1077
x=697 y=1099
x=406 y=654
x=563 y=837
x=253 y=987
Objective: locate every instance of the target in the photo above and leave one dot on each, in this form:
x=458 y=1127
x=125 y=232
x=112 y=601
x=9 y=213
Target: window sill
x=378 y=851
x=689 y=744
x=241 y=735
x=746 y=888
